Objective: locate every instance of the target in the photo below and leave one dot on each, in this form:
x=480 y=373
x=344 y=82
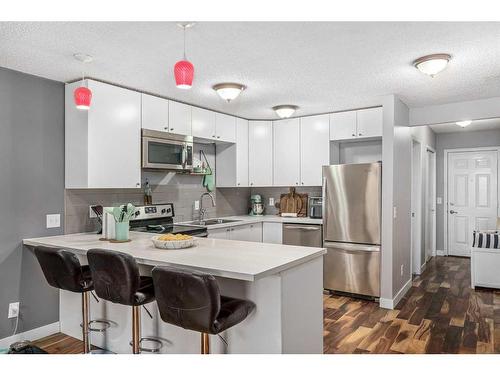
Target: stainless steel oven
x=162 y=150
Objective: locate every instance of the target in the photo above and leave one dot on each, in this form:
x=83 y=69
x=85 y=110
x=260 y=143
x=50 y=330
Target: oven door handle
x=184 y=156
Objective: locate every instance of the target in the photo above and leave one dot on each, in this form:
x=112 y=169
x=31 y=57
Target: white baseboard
x=31 y=335
x=440 y=253
x=424 y=266
x=388 y=303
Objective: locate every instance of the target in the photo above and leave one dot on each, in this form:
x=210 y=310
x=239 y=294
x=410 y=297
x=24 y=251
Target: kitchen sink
x=213 y=222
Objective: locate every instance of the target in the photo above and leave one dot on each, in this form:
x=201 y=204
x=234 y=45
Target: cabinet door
x=179 y=118
x=225 y=127
x=343 y=125
x=241 y=152
x=370 y=122
x=260 y=153
x=154 y=113
x=314 y=148
x=286 y=135
x=248 y=232
x=272 y=233
x=114 y=137
x=222 y=233
x=203 y=123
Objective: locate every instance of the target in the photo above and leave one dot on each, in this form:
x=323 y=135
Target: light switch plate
x=13 y=310
x=53 y=221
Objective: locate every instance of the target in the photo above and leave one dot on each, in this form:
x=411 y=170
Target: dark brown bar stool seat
x=192 y=300
x=63 y=270
x=117 y=279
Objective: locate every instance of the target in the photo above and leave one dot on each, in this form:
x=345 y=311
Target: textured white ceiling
x=477 y=125
x=320 y=67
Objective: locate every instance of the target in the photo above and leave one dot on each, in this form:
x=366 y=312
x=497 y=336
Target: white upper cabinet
x=363 y=123
x=232 y=159
x=203 y=123
x=260 y=153
x=225 y=127
x=154 y=113
x=286 y=152
x=179 y=118
x=370 y=122
x=343 y=125
x=103 y=144
x=314 y=148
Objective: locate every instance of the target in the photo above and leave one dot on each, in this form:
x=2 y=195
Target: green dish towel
x=209 y=182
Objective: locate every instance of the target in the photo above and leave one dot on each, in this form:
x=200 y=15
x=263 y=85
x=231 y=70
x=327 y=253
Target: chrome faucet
x=203 y=211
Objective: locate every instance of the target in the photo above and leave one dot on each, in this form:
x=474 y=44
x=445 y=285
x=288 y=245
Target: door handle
x=453 y=212
x=184 y=156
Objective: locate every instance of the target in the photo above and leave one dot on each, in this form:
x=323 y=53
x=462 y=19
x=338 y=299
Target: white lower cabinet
x=272 y=233
x=246 y=232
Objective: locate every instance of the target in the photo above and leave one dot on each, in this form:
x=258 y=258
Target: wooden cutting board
x=293 y=202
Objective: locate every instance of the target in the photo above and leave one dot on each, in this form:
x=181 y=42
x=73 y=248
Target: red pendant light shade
x=82 y=96
x=184 y=73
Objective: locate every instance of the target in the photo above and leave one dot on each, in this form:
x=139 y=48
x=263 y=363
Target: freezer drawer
x=303 y=235
x=352 y=268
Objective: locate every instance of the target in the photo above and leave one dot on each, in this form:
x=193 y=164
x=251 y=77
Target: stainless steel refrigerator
x=352 y=195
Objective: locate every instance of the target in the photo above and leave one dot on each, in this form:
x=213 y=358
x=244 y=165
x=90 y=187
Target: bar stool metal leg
x=136 y=329
x=85 y=323
x=205 y=343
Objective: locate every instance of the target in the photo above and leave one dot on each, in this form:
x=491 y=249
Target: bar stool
x=117 y=279
x=63 y=270
x=192 y=300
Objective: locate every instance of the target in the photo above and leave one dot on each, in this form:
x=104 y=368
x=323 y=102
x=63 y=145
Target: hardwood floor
x=440 y=314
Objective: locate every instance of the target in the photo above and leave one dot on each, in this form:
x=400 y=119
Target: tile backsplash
x=275 y=192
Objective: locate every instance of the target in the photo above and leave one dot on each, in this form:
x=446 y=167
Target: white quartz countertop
x=247 y=219
x=224 y=258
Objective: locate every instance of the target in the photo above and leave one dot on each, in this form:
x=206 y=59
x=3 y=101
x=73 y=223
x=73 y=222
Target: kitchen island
x=285 y=283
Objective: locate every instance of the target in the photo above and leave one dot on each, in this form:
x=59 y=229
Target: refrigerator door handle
x=323 y=202
x=351 y=246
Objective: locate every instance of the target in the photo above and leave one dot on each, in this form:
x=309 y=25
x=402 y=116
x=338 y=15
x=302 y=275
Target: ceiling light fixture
x=229 y=91
x=83 y=95
x=285 y=110
x=464 y=123
x=183 y=69
x=432 y=64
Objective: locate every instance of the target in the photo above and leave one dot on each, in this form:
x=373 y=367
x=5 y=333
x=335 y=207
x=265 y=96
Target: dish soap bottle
x=148 y=194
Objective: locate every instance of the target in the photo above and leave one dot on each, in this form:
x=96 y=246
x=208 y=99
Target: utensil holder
x=122 y=231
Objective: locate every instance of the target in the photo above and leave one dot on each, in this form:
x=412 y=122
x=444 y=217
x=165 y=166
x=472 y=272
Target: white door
x=203 y=123
x=369 y=122
x=472 y=197
x=225 y=127
x=154 y=113
x=343 y=125
x=314 y=148
x=260 y=153
x=430 y=206
x=241 y=152
x=286 y=135
x=179 y=118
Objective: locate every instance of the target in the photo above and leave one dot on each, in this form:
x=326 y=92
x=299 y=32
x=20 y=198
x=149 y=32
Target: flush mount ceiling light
x=229 y=91
x=464 y=123
x=183 y=69
x=82 y=95
x=285 y=110
x=432 y=64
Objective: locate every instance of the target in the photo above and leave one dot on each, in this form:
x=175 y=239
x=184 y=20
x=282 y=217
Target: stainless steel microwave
x=162 y=150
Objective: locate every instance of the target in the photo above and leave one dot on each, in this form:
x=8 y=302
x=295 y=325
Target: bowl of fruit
x=173 y=241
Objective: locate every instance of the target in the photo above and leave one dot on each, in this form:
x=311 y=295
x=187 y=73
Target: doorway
x=471 y=189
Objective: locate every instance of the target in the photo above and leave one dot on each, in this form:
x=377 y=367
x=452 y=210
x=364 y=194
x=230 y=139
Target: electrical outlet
x=13 y=310
x=91 y=213
x=196 y=205
x=402 y=269
x=271 y=201
x=53 y=221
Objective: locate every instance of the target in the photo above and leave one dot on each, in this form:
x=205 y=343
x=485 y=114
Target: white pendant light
x=285 y=110
x=229 y=91
x=464 y=123
x=432 y=64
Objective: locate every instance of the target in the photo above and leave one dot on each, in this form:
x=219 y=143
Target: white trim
x=31 y=335
x=445 y=188
x=424 y=266
x=387 y=303
x=434 y=205
x=440 y=253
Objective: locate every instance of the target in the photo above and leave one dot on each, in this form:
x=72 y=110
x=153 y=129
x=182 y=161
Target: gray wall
x=484 y=138
x=31 y=186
